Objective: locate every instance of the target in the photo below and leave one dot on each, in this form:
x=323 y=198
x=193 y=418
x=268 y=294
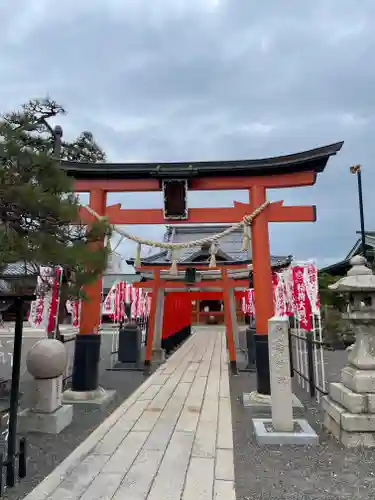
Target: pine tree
x=39 y=223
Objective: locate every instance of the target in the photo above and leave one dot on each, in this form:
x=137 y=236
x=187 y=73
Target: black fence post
x=310 y=363
x=22 y=458
x=262 y=364
x=290 y=340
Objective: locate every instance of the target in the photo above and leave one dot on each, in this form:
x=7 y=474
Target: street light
x=356 y=169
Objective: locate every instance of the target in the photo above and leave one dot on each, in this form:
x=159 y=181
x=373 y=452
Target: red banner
x=44 y=310
x=74 y=309
x=123 y=293
x=279 y=295
x=248 y=303
x=55 y=299
x=311 y=280
x=295 y=292
x=301 y=299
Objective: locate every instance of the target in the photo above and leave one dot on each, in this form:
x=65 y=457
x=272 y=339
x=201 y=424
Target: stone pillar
x=233 y=313
x=282 y=428
x=46 y=362
x=349 y=408
x=281 y=388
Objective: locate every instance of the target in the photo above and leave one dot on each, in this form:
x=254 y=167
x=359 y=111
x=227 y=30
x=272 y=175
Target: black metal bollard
x=129 y=344
x=22 y=459
x=85 y=376
x=250 y=344
x=262 y=364
x=310 y=363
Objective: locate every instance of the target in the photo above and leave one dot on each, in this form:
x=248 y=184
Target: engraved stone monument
x=46 y=362
x=282 y=428
x=349 y=409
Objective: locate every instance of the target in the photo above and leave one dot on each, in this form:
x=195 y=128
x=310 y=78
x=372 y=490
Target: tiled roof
x=18 y=270
x=22 y=269
x=369 y=240
x=230 y=246
x=343 y=266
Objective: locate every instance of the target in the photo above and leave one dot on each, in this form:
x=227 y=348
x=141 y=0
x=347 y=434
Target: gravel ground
x=45 y=452
x=328 y=472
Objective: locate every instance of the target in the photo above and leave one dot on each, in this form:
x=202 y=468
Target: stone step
x=360 y=381
x=351 y=422
x=349 y=439
x=352 y=401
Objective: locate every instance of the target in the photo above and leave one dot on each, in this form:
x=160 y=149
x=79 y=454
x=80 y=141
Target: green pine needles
x=39 y=221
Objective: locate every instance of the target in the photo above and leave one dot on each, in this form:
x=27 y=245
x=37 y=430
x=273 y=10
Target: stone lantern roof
x=359 y=278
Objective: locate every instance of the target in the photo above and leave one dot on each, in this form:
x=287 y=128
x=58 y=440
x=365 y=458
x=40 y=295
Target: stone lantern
x=349 y=408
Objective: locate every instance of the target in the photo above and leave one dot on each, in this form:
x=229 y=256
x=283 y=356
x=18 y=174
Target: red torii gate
x=256 y=176
x=225 y=285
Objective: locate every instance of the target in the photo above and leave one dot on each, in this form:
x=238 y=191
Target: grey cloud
x=190 y=80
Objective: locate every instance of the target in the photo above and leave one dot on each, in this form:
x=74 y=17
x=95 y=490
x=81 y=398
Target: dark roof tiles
x=18 y=270
x=230 y=246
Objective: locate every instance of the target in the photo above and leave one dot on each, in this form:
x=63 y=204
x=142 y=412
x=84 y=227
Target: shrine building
x=230 y=253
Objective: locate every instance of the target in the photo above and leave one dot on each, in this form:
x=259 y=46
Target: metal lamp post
x=356 y=169
x=12 y=453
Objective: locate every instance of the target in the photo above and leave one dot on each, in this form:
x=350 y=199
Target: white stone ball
x=47 y=359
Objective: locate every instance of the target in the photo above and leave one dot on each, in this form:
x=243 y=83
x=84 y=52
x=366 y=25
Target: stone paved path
x=171 y=440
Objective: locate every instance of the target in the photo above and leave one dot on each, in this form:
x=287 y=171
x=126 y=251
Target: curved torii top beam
x=314 y=160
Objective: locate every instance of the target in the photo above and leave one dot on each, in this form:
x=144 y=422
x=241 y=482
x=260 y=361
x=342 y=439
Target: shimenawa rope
x=245 y=223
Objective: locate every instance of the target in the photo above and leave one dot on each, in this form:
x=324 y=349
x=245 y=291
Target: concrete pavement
x=171 y=439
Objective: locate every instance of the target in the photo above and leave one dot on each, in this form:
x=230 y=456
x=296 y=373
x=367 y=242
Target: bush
x=336 y=330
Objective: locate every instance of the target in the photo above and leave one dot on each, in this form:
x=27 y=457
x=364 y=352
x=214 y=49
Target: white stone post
x=158 y=319
x=282 y=428
x=233 y=313
x=157 y=351
x=281 y=390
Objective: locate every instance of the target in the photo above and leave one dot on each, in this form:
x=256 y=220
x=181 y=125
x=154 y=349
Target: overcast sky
x=165 y=80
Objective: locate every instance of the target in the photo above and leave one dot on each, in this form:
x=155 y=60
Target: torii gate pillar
x=261 y=257
x=85 y=376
